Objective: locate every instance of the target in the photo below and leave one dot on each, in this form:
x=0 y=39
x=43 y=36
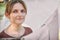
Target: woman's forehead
x=18 y=6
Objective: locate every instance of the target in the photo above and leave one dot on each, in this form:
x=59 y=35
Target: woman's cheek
x=23 y=14
x=12 y=16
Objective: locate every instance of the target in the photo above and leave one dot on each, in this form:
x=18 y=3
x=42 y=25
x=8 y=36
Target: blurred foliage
x=2 y=9
x=2 y=4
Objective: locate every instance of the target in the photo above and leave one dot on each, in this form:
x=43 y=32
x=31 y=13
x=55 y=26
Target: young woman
x=15 y=12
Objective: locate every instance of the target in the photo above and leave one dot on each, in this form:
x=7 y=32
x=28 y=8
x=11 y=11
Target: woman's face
x=17 y=14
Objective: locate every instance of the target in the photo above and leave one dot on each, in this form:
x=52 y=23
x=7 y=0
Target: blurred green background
x=2 y=10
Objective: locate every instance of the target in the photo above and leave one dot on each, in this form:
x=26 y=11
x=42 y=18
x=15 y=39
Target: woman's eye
x=15 y=11
x=22 y=11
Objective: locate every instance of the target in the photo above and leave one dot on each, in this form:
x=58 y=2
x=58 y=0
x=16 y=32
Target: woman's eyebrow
x=18 y=9
x=14 y=9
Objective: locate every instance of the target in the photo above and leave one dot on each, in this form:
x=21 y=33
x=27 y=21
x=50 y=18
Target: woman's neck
x=14 y=27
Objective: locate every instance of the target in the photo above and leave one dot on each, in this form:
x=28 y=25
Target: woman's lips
x=20 y=18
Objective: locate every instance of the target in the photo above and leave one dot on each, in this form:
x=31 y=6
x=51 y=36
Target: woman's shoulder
x=28 y=30
x=1 y=34
x=4 y=35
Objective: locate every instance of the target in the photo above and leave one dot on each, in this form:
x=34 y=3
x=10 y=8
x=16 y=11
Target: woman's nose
x=19 y=13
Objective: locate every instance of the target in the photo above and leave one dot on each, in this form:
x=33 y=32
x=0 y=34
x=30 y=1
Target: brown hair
x=11 y=3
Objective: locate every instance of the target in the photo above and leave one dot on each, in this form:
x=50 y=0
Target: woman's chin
x=19 y=22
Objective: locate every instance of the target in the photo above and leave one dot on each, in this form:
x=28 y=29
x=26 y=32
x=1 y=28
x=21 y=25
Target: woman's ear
x=7 y=15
